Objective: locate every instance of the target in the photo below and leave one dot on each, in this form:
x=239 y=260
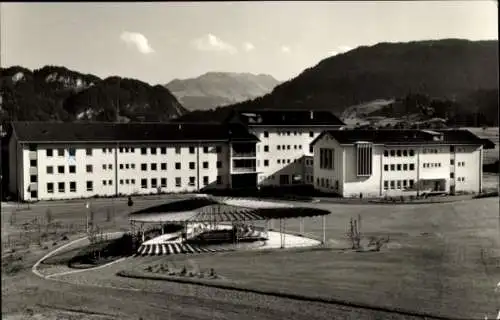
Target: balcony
x=244 y=170
x=33 y=170
x=32 y=155
x=236 y=154
x=33 y=186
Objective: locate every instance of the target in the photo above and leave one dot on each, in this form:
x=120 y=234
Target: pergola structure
x=213 y=211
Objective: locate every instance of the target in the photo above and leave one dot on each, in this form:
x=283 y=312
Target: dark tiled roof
x=282 y=117
x=116 y=132
x=401 y=137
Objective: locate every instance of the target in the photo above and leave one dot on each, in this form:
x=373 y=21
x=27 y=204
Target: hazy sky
x=157 y=42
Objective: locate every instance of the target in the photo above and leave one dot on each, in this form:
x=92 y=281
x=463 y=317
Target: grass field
x=442 y=259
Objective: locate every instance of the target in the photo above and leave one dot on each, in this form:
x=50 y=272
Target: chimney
x=311 y=113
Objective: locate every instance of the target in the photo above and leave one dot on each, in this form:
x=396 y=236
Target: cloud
x=138 y=40
x=285 y=49
x=248 y=46
x=210 y=42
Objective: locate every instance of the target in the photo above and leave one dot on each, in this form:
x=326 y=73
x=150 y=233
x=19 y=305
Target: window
x=277 y=147
x=386 y=185
x=219 y=180
x=153 y=150
x=154 y=183
x=300 y=147
x=60 y=169
x=33 y=178
x=412 y=166
x=205 y=180
x=127 y=181
x=205 y=164
x=49 y=153
x=154 y=166
x=452 y=162
x=218 y=149
x=163 y=182
x=60 y=152
x=288 y=147
x=163 y=166
x=144 y=166
x=405 y=167
x=90 y=186
x=424 y=165
x=103 y=167
x=89 y=168
x=393 y=185
x=411 y=153
x=411 y=183
x=71 y=152
x=132 y=150
x=144 y=183
x=191 y=150
x=393 y=167
x=110 y=166
x=110 y=182
x=399 y=184
x=50 y=169
x=452 y=148
x=72 y=186
x=33 y=163
x=121 y=181
x=163 y=150
x=405 y=182
x=191 y=181
x=279 y=161
x=386 y=167
x=127 y=166
x=121 y=165
x=177 y=166
x=132 y=165
x=266 y=148
x=452 y=175
x=310 y=149
x=103 y=150
x=463 y=179
x=144 y=151
x=60 y=187
x=326 y=158
x=386 y=153
x=266 y=134
x=398 y=167
x=392 y=153
x=121 y=150
x=104 y=182
x=192 y=166
x=177 y=150
x=50 y=187
x=205 y=149
x=311 y=134
x=266 y=163
x=178 y=182
x=72 y=169
x=88 y=152
x=132 y=181
x=463 y=164
x=398 y=153
x=219 y=164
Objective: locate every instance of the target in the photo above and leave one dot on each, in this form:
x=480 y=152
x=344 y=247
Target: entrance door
x=436 y=186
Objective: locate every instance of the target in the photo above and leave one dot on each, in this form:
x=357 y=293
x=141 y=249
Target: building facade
x=79 y=160
x=379 y=163
x=283 y=153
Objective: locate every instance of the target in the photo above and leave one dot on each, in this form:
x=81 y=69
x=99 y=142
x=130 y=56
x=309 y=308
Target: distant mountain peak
x=215 y=88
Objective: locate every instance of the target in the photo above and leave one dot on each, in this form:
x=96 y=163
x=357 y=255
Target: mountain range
x=55 y=93
x=454 y=79
x=215 y=89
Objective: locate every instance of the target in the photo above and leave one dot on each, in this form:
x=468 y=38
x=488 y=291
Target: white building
x=284 y=153
x=377 y=163
x=78 y=160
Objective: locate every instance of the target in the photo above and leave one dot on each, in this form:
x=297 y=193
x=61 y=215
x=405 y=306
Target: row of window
x=309 y=162
x=144 y=167
x=289 y=133
x=325 y=183
x=145 y=184
x=399 y=153
x=399 y=167
x=152 y=150
x=398 y=184
x=431 y=165
x=287 y=147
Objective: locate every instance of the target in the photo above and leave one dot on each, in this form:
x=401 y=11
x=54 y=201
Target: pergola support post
x=301 y=226
x=324 y=230
x=284 y=233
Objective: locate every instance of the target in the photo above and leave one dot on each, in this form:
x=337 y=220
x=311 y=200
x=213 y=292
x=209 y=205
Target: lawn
x=442 y=259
